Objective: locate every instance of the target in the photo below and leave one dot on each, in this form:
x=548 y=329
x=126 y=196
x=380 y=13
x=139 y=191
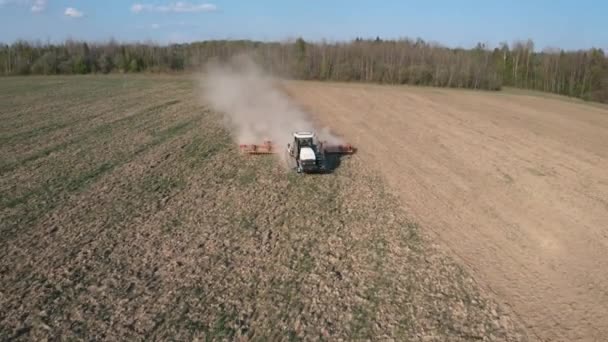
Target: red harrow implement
x=338 y=149
x=267 y=147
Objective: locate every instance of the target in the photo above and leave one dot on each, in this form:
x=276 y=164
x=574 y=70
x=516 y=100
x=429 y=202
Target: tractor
x=306 y=154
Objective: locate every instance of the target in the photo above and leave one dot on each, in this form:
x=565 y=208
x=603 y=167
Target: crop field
x=127 y=213
x=513 y=184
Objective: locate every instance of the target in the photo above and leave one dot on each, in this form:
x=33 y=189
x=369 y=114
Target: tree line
x=582 y=74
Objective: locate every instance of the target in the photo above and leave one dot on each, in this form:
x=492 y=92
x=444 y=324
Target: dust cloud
x=254 y=108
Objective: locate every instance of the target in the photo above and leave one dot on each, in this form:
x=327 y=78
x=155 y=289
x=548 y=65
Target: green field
x=127 y=213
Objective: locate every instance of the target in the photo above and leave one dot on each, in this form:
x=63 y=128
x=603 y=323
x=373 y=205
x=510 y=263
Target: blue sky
x=567 y=24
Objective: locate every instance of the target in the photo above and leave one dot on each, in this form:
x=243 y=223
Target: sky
x=566 y=24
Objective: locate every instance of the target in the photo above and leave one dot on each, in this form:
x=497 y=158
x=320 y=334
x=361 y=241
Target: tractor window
x=306 y=143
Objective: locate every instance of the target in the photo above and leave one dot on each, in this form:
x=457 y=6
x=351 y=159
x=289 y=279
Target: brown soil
x=515 y=186
x=142 y=222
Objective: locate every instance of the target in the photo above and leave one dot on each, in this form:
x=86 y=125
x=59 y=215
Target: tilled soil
x=514 y=186
x=142 y=222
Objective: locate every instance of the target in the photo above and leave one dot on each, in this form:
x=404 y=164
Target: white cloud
x=174 y=7
x=137 y=8
x=38 y=6
x=72 y=12
x=155 y=26
x=35 y=6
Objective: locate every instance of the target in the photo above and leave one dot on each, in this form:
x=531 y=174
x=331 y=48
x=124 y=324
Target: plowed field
x=127 y=213
x=514 y=186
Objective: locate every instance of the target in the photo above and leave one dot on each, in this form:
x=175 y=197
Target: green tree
x=47 y=64
x=105 y=63
x=80 y=65
x=134 y=65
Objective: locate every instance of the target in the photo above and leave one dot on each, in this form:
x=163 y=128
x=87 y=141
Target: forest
x=582 y=74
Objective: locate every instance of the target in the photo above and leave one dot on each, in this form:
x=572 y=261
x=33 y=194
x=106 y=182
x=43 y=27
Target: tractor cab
x=305 y=151
x=304 y=139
